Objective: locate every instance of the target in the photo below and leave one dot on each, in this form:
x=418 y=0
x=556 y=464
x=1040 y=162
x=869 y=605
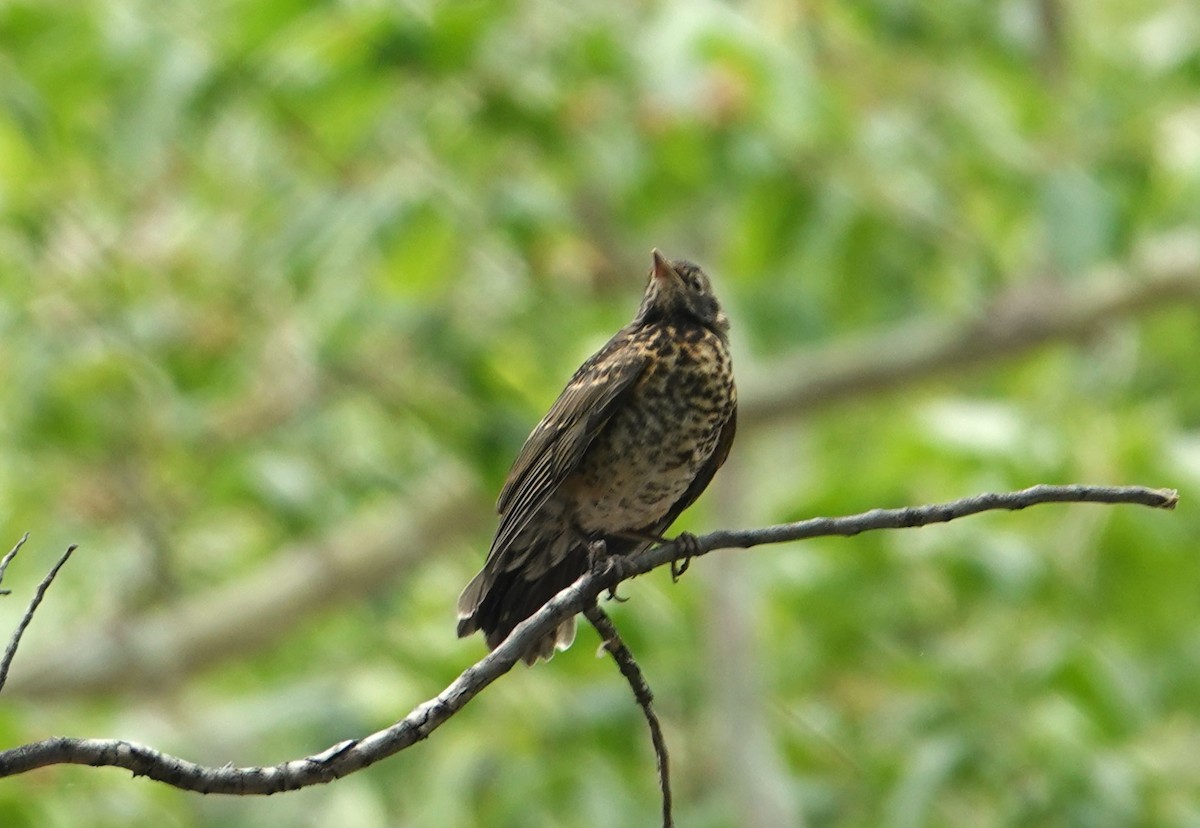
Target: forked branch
x=349 y=756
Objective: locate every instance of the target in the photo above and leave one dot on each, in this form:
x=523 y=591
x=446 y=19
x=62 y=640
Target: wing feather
x=557 y=444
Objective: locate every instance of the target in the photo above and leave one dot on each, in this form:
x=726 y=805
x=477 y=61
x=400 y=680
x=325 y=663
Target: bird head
x=681 y=289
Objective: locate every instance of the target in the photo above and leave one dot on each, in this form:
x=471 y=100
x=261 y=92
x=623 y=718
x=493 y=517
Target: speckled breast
x=649 y=452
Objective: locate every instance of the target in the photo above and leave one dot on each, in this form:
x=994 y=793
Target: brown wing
x=556 y=445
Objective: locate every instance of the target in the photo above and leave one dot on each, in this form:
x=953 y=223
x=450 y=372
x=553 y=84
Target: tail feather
x=496 y=602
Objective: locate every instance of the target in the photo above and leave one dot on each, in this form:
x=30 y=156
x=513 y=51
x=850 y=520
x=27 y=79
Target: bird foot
x=688 y=546
x=605 y=565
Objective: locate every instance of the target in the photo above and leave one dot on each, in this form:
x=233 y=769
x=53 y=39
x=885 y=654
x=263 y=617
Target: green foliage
x=269 y=265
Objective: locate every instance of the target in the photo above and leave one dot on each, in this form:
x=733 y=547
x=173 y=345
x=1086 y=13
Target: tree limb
x=248 y=614
x=352 y=755
x=1034 y=314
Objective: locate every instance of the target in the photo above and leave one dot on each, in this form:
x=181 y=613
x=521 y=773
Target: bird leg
x=688 y=546
x=603 y=564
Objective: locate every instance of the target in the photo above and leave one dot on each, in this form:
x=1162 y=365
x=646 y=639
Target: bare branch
x=645 y=699
x=15 y=641
x=919 y=516
x=337 y=761
x=347 y=757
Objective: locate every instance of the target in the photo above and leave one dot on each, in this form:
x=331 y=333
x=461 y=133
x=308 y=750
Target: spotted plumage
x=631 y=442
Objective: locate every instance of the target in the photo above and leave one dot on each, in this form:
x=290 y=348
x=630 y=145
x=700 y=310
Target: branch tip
x=12 y=554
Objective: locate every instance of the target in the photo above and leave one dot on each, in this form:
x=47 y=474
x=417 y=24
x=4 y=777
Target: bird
x=633 y=440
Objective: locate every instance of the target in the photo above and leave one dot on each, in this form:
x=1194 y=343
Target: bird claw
x=604 y=565
x=688 y=545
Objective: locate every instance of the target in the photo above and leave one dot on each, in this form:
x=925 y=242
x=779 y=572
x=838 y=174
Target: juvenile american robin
x=631 y=442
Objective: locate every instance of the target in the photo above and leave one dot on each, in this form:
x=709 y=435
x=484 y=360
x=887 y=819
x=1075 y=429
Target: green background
x=284 y=286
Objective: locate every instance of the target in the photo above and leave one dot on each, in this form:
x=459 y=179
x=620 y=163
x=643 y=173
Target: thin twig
x=349 y=756
x=645 y=699
x=11 y=652
x=8 y=559
x=913 y=516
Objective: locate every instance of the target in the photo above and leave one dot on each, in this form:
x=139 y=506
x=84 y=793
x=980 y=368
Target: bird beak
x=662 y=268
